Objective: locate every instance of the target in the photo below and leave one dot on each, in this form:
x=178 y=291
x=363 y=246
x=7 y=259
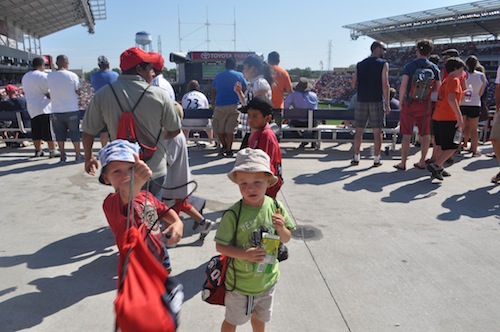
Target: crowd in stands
x=86 y=94
x=337 y=87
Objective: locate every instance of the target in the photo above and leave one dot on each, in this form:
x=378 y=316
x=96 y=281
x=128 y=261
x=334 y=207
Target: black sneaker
x=221 y=153
x=445 y=173
x=38 y=154
x=303 y=145
x=355 y=162
x=229 y=153
x=435 y=172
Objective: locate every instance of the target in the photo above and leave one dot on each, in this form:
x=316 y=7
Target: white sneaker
x=54 y=153
x=207 y=226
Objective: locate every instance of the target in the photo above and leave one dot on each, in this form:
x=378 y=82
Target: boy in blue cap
x=121 y=165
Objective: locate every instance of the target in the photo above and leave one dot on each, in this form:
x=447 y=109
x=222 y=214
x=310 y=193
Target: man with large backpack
x=420 y=78
x=153 y=111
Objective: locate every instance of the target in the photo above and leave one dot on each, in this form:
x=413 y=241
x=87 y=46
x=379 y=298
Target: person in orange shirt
x=282 y=85
x=447 y=117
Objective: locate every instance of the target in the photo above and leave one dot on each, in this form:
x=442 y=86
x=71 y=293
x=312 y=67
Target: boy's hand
x=255 y=254
x=175 y=230
x=278 y=220
x=142 y=172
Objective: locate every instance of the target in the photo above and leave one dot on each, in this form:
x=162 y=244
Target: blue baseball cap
x=117 y=150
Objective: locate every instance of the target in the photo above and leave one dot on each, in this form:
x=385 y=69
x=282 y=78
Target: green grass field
x=324 y=105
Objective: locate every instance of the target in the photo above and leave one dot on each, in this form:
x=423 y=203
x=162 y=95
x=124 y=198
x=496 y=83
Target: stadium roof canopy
x=40 y=18
x=472 y=19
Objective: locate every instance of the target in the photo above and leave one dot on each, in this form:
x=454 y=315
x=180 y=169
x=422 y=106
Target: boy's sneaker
x=63 y=158
x=435 y=172
x=229 y=153
x=206 y=227
x=195 y=225
x=445 y=173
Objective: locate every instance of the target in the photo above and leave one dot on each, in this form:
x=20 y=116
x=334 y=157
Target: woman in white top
x=470 y=106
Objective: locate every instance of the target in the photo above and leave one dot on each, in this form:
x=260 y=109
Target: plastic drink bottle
x=468 y=94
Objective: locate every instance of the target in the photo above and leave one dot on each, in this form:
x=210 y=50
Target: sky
x=300 y=31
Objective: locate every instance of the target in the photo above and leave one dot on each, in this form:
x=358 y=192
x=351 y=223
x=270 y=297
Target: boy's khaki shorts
x=237 y=304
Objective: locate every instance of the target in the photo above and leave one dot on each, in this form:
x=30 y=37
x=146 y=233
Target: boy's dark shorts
x=444 y=131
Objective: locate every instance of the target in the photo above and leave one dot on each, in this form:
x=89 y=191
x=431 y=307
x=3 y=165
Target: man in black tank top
x=372 y=81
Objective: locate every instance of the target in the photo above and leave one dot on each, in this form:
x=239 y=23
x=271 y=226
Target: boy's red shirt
x=265 y=139
x=146 y=210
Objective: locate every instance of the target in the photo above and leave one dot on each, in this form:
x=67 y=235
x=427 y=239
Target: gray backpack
x=422 y=83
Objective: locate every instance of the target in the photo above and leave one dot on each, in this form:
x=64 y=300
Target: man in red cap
x=153 y=112
x=13 y=103
x=159 y=80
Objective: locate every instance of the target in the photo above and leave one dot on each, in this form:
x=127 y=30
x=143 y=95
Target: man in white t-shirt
x=36 y=91
x=64 y=88
x=159 y=80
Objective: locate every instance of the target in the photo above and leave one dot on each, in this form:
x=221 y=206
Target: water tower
x=143 y=40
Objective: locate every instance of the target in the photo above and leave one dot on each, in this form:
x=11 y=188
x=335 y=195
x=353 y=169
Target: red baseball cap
x=159 y=62
x=134 y=56
x=10 y=88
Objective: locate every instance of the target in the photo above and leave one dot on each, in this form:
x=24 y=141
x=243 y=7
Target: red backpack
x=127 y=127
x=147 y=299
x=214 y=287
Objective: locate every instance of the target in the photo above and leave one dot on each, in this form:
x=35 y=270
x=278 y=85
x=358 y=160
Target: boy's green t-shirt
x=251 y=218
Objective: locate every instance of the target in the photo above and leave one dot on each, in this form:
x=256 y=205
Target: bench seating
x=20 y=122
x=326 y=132
x=323 y=132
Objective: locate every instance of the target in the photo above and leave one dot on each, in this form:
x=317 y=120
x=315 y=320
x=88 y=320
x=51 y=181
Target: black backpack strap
x=118 y=100
x=233 y=241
